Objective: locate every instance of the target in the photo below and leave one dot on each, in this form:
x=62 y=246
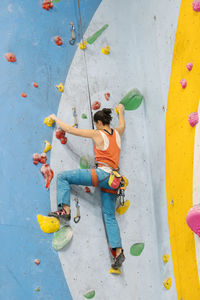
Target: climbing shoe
x=60 y=214
x=118 y=261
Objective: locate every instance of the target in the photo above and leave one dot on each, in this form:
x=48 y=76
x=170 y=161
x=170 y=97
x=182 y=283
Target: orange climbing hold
x=47 y=4
x=35 y=84
x=10 y=57
x=58 y=40
x=24 y=95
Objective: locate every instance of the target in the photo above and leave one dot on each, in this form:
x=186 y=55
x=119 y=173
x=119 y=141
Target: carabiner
x=77 y=219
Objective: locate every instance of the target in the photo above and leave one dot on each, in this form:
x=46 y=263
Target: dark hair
x=104 y=116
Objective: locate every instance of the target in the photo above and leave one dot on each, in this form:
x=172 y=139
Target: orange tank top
x=111 y=154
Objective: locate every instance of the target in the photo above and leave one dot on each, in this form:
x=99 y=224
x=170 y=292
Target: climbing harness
x=78 y=213
x=73 y=38
x=75 y=117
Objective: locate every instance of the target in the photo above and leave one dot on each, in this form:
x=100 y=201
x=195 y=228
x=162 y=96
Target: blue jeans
x=83 y=177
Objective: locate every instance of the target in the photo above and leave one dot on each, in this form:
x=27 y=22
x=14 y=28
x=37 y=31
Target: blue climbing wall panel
x=28 y=31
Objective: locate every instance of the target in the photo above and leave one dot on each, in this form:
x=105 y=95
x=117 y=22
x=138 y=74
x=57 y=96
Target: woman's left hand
x=53 y=117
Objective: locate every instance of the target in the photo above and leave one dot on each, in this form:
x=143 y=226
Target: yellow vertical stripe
x=180 y=148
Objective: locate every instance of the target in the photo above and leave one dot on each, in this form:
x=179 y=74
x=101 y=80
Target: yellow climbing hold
x=113 y=271
x=83 y=45
x=48 y=224
x=48 y=121
x=165 y=258
x=60 y=87
x=116 y=111
x=123 y=208
x=48 y=147
x=105 y=50
x=167 y=283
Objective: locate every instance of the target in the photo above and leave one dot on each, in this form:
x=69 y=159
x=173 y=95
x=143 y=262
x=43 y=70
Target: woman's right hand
x=120 y=108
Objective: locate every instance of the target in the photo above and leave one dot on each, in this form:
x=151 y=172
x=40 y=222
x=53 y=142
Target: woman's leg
x=111 y=225
x=64 y=179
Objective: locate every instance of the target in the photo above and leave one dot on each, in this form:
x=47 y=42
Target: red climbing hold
x=87 y=189
x=37 y=261
x=60 y=133
x=58 y=40
x=47 y=4
x=10 y=57
x=96 y=105
x=35 y=84
x=63 y=140
x=43 y=158
x=24 y=95
x=36 y=158
x=48 y=174
x=107 y=96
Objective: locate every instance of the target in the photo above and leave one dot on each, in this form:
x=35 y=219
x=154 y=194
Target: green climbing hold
x=132 y=99
x=84 y=163
x=136 y=249
x=93 y=38
x=37 y=289
x=62 y=237
x=55 y=1
x=84 y=116
x=90 y=295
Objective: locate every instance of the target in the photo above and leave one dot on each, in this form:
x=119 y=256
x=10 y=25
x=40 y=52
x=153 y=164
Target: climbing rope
x=87 y=79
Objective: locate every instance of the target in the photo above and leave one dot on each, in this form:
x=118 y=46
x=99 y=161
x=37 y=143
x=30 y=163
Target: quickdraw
x=78 y=213
x=73 y=38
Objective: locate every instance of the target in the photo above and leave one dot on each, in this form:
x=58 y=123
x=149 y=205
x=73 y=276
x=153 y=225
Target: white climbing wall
x=141 y=36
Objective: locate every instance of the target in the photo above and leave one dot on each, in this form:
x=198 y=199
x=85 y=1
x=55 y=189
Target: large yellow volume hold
x=48 y=224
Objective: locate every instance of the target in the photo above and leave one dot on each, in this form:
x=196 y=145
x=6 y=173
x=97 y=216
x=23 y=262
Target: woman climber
x=107 y=145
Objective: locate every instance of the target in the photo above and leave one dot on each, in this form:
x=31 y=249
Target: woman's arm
x=88 y=133
x=121 y=126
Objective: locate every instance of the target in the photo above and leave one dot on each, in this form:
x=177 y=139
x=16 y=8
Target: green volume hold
x=93 y=37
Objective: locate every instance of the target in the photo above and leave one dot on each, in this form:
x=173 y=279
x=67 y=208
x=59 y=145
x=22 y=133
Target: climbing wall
x=130 y=63
x=149 y=47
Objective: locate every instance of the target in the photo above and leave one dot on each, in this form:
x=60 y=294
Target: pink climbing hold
x=193 y=219
x=58 y=40
x=183 y=83
x=107 y=96
x=36 y=158
x=193 y=118
x=47 y=4
x=196 y=5
x=48 y=174
x=189 y=66
x=96 y=105
x=11 y=57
